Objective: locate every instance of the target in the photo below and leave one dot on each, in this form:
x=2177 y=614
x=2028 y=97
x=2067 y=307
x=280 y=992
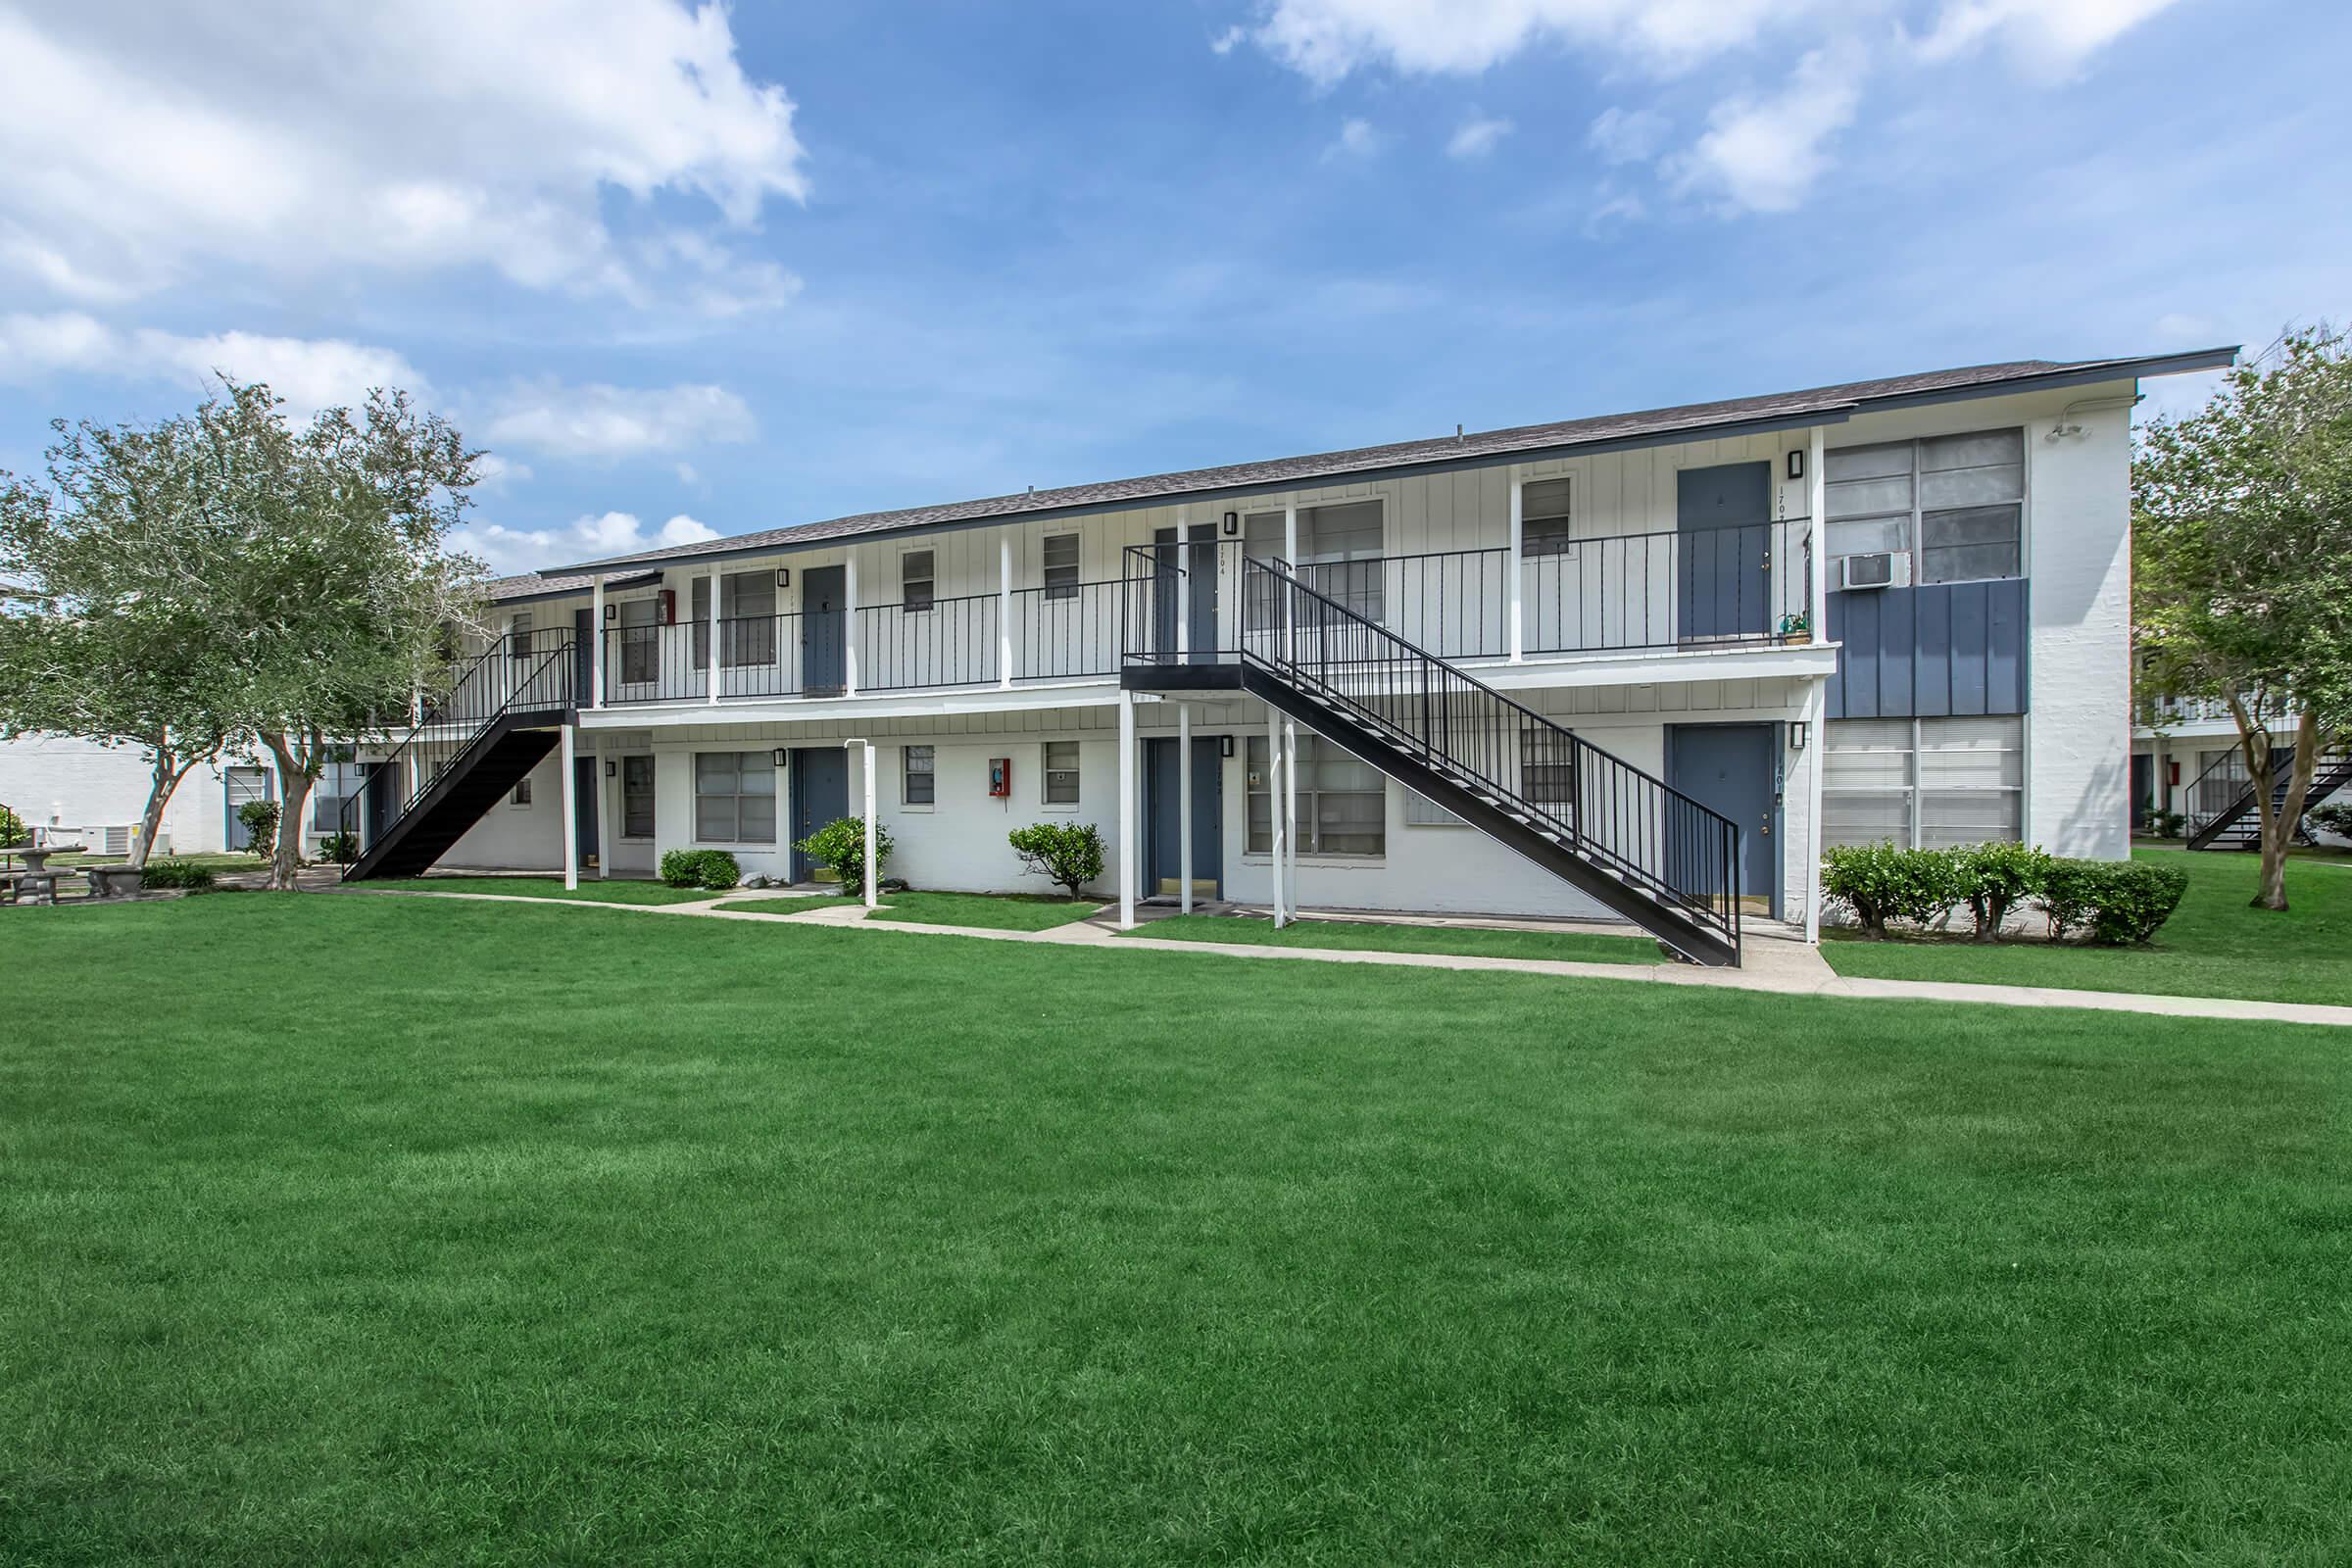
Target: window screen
x=1544 y=528
x=915 y=580
x=640 y=641
x=1959 y=498
x=918 y=775
x=636 y=797
x=1061 y=566
x=1343 y=804
x=734 y=797
x=1060 y=772
x=1927 y=783
x=746 y=627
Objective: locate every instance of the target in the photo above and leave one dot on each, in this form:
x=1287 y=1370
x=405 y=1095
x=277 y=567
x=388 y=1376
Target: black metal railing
x=1747 y=583
x=759 y=656
x=1066 y=632
x=941 y=642
x=1596 y=805
x=540 y=676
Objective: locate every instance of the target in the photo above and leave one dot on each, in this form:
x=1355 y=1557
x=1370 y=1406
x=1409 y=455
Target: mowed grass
x=996 y=912
x=590 y=890
x=2215 y=944
x=1381 y=937
x=357 y=1229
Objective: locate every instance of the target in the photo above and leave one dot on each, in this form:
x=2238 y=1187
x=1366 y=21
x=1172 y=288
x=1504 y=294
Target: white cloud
x=1356 y=139
x=1763 y=154
x=596 y=420
x=687 y=475
x=1475 y=137
x=310 y=373
x=590 y=538
x=1326 y=39
x=1224 y=43
x=140 y=142
x=2047 y=39
x=1627 y=136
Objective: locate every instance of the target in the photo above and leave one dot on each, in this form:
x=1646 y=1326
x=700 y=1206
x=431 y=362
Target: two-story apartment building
x=1643 y=665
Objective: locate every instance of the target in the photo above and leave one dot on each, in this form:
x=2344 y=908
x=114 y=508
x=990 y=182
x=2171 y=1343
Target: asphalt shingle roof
x=1779 y=408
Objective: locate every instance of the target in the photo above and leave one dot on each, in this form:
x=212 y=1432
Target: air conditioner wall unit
x=1887 y=569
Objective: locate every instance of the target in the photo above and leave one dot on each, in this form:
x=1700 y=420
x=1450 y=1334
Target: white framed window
x=1956 y=502
x=1924 y=783
x=640 y=641
x=746 y=624
x=917 y=781
x=637 y=796
x=734 y=797
x=522 y=795
x=1060 y=558
x=1547 y=776
x=1343 y=804
x=1060 y=772
x=1339 y=551
x=1544 y=524
x=917 y=581
x=519 y=638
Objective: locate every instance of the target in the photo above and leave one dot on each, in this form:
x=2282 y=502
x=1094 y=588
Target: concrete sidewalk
x=1774 y=963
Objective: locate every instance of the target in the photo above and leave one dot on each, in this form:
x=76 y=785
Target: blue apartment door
x=1200 y=565
x=1163 y=797
x=821 y=794
x=584 y=800
x=1723 y=523
x=1730 y=768
x=824 y=631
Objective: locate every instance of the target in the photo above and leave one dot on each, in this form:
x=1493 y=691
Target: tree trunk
x=295 y=775
x=2278 y=827
x=169 y=771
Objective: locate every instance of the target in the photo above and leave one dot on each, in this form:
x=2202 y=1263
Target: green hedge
x=177 y=875
x=715 y=869
x=2114 y=903
x=840 y=847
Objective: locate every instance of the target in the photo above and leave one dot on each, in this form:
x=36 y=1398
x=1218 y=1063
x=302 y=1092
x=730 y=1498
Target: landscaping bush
x=178 y=874
x=713 y=869
x=2335 y=817
x=1067 y=853
x=259 y=819
x=340 y=848
x=2120 y=903
x=2167 y=824
x=840 y=846
x=1994 y=878
x=12 y=830
x=1879 y=883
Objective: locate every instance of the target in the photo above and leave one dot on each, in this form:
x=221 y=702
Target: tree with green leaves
x=2242 y=566
x=101 y=634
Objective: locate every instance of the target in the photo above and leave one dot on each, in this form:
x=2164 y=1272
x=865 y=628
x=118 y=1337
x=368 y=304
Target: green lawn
x=2213 y=946
x=590 y=890
x=1378 y=937
x=996 y=912
x=359 y=1229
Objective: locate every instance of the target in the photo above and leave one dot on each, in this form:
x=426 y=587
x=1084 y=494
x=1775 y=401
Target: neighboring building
x=2186 y=759
x=71 y=791
x=1567 y=669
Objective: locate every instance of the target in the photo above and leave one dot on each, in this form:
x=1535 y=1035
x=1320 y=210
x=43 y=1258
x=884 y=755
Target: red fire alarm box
x=670 y=607
x=2175 y=772
x=999 y=775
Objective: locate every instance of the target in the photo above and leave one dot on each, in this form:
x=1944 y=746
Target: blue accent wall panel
x=1929 y=651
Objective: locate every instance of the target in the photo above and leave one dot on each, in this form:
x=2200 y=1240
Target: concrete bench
x=114 y=881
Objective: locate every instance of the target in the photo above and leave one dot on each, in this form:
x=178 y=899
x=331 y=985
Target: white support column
x=1817 y=702
x=1817 y=502
x=873 y=872
x=608 y=807
x=1817 y=707
x=711 y=675
x=1184 y=808
x=1290 y=814
x=1004 y=613
x=848 y=627
x=1512 y=565
x=1274 y=809
x=570 y=748
x=1290 y=532
x=1128 y=837
x=1184 y=586
x=596 y=644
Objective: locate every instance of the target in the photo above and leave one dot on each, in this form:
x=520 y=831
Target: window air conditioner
x=1883 y=569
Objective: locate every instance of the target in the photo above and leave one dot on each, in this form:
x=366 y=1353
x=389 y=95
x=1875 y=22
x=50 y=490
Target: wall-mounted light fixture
x=779 y=756
x=611 y=612
x=1233 y=524
x=611 y=767
x=1798 y=734
x=783 y=576
x=1224 y=746
x=1796 y=463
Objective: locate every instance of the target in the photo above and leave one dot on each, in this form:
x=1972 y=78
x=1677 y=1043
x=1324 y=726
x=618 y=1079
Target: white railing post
x=595 y=634
x=571 y=808
x=1184 y=586
x=1817 y=502
x=1004 y=613
x=1128 y=869
x=1274 y=806
x=848 y=627
x=1512 y=565
x=1184 y=808
x=1290 y=812
x=712 y=675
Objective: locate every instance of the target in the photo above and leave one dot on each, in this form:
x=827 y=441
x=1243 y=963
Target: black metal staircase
x=2222 y=815
x=468 y=749
x=1628 y=839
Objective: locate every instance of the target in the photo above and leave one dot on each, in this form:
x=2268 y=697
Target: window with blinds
x=1958 y=501
x=734 y=797
x=1343 y=804
x=1339 y=551
x=746 y=627
x=1543 y=528
x=1924 y=783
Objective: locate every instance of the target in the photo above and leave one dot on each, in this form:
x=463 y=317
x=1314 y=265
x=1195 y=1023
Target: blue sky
x=690 y=271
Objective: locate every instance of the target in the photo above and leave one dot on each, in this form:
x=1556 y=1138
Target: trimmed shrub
x=2167 y=824
x=1879 y=883
x=1069 y=854
x=2118 y=902
x=1994 y=878
x=12 y=830
x=713 y=869
x=259 y=819
x=340 y=848
x=840 y=847
x=2335 y=817
x=177 y=875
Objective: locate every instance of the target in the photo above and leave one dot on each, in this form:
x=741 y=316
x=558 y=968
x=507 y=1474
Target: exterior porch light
x=612 y=767
x=1233 y=524
x=779 y=756
x=1798 y=734
x=1225 y=746
x=783 y=576
x=1796 y=463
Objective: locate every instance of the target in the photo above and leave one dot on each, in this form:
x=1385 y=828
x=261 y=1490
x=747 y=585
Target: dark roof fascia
x=2088 y=375
x=1834 y=414
x=649 y=573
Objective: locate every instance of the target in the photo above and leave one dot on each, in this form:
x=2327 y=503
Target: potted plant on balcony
x=1796 y=627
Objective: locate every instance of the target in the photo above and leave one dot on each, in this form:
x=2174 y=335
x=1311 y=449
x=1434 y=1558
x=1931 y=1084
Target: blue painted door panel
x=824 y=629
x=1723 y=517
x=1162 y=797
x=1729 y=767
x=821 y=794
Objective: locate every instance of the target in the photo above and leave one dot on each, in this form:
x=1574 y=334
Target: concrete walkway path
x=1775 y=963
